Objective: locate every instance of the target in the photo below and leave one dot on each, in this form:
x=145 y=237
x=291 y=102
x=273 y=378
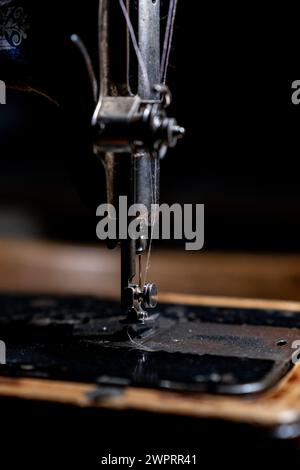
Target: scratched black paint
x=83 y=339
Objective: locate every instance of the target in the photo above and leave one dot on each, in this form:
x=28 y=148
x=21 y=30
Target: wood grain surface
x=41 y=266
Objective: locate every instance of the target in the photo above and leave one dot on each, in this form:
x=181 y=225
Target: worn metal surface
x=149 y=44
x=191 y=348
x=132 y=133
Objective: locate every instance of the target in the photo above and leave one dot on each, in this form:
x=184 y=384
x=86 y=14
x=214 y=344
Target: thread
x=139 y=346
x=136 y=46
x=153 y=222
x=168 y=40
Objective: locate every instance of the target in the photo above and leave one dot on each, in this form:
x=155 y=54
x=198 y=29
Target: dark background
x=240 y=154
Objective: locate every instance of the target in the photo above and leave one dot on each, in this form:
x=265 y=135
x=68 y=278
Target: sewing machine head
x=131 y=129
x=133 y=133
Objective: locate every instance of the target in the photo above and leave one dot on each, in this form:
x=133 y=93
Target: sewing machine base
x=190 y=348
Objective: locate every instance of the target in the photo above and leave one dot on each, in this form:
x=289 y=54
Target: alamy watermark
x=160 y=222
x=2 y=92
x=2 y=352
x=295 y=96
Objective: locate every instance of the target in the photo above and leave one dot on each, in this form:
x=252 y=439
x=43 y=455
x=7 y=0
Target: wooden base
x=279 y=406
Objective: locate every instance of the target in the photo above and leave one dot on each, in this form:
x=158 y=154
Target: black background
x=240 y=154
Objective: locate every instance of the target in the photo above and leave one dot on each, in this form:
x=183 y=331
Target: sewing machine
x=132 y=130
x=93 y=352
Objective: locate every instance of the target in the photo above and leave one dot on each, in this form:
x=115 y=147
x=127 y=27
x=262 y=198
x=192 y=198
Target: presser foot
x=140 y=329
x=137 y=299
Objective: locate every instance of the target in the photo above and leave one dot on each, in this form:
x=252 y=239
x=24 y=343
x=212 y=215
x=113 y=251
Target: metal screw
x=150 y=295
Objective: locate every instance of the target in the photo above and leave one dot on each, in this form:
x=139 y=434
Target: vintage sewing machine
x=93 y=351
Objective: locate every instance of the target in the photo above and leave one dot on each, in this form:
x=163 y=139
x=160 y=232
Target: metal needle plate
x=190 y=348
